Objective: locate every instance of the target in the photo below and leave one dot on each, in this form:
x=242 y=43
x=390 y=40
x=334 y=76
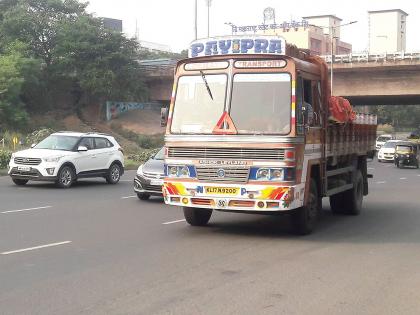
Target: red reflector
x=289 y=154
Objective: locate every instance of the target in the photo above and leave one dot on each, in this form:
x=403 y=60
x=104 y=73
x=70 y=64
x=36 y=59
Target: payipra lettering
x=235 y=46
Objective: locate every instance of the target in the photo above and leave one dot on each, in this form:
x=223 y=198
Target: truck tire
x=305 y=218
x=197 y=216
x=350 y=201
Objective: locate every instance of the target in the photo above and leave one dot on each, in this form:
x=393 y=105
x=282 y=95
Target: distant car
x=414 y=134
x=387 y=151
x=64 y=157
x=149 y=178
x=380 y=141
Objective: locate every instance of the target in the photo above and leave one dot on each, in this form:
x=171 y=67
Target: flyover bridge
x=365 y=79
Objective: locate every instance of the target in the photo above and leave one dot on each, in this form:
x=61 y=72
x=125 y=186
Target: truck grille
x=226 y=153
x=27 y=161
x=235 y=175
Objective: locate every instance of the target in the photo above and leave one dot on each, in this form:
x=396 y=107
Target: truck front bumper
x=232 y=197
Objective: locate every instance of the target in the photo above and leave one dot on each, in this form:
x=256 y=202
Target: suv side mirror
x=32 y=145
x=164 y=116
x=82 y=148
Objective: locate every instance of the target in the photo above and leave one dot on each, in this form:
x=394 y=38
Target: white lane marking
x=418 y=175
x=126 y=180
x=176 y=221
x=35 y=247
x=370 y=168
x=28 y=209
x=403 y=177
x=381 y=182
x=126 y=197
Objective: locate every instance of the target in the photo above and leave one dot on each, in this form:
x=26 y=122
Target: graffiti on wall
x=114 y=109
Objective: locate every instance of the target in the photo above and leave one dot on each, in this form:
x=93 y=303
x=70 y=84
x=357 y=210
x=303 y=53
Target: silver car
x=149 y=178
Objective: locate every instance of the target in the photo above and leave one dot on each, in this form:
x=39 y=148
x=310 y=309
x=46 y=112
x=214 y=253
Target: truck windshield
x=195 y=109
x=261 y=103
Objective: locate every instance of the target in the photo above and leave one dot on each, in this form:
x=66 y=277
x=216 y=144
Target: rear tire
x=114 y=174
x=305 y=218
x=20 y=182
x=197 y=216
x=349 y=201
x=143 y=196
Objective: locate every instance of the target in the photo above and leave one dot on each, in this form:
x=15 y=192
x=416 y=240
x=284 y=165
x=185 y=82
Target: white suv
x=63 y=157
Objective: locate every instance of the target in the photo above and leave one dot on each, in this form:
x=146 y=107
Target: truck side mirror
x=164 y=116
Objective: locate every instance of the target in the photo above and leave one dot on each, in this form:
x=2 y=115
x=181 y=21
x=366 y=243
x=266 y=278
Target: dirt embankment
x=146 y=122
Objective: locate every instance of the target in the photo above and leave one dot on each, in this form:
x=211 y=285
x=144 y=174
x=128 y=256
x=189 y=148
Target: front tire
x=197 y=216
x=114 y=174
x=305 y=218
x=19 y=182
x=143 y=196
x=65 y=177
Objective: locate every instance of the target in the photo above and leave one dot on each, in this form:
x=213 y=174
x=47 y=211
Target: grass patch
x=3 y=171
x=131 y=164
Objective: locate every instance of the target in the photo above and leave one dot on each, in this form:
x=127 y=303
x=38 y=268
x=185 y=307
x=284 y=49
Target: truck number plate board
x=222 y=190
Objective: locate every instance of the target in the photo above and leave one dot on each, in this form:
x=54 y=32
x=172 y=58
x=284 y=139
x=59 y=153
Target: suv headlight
x=140 y=170
x=52 y=159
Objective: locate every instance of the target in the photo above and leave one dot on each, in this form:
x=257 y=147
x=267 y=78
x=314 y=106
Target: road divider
x=23 y=210
x=171 y=222
x=127 y=197
x=34 y=248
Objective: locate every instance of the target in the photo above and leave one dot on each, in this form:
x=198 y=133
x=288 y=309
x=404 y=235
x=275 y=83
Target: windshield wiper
x=207 y=85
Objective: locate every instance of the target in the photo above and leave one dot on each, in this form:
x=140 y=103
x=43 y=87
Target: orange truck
x=252 y=128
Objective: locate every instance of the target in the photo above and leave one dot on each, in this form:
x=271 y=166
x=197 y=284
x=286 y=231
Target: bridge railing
x=155 y=67
x=366 y=57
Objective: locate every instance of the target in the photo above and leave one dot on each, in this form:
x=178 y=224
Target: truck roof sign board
x=237 y=45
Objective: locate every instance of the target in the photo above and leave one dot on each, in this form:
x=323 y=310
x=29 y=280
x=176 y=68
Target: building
x=387 y=31
x=113 y=24
x=154 y=47
x=312 y=33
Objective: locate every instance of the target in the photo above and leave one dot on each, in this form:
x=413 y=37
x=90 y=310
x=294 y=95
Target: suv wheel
x=143 y=196
x=65 y=177
x=19 y=182
x=114 y=174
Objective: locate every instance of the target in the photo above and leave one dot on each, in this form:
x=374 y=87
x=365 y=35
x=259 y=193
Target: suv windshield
x=195 y=109
x=57 y=142
x=261 y=103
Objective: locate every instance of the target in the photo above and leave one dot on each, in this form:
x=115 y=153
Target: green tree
x=14 y=69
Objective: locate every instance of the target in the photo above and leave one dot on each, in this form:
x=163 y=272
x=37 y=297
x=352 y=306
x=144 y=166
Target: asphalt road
x=97 y=249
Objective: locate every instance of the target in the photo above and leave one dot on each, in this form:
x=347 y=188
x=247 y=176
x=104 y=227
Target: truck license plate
x=222 y=190
x=24 y=168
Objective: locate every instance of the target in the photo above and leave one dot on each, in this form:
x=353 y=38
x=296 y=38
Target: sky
x=172 y=22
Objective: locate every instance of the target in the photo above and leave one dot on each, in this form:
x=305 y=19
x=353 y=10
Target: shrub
x=5 y=156
x=38 y=135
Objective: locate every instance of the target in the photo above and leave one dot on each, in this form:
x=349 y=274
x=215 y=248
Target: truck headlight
x=263 y=174
x=178 y=171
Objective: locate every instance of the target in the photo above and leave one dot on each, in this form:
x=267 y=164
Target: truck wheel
x=197 y=216
x=19 y=182
x=337 y=203
x=304 y=219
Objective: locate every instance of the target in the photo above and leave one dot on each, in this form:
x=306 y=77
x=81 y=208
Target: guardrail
x=366 y=57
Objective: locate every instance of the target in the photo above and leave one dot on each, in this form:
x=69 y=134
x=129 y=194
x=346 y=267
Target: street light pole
x=195 y=19
x=332 y=29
